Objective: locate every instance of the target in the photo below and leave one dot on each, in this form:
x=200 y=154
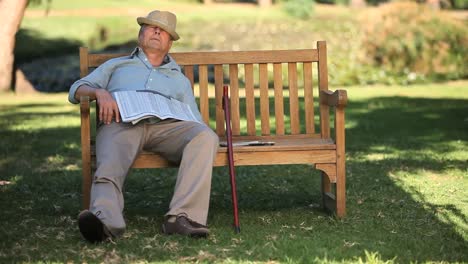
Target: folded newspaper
x=135 y=106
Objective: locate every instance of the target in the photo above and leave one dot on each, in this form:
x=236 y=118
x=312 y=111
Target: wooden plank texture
x=309 y=99
x=245 y=57
x=293 y=99
x=279 y=104
x=250 y=99
x=234 y=98
x=188 y=71
x=219 y=78
x=84 y=61
x=226 y=57
x=323 y=86
x=264 y=99
x=204 y=99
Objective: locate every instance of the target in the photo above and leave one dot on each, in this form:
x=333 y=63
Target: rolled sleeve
x=73 y=88
x=99 y=78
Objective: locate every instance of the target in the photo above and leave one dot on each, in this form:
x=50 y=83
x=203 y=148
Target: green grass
x=407 y=189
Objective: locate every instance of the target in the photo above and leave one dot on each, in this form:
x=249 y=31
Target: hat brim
x=146 y=21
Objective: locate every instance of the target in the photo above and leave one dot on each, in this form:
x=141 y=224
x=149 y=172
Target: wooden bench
x=271 y=99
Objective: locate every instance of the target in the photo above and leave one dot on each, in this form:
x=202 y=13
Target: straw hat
x=163 y=19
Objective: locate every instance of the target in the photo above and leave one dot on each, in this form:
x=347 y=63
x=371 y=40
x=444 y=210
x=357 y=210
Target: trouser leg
x=193 y=145
x=117 y=146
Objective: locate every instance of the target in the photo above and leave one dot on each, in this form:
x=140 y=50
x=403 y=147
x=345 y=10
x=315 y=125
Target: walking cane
x=232 y=172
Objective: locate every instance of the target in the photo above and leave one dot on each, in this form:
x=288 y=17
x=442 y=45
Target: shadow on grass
x=280 y=220
x=31 y=45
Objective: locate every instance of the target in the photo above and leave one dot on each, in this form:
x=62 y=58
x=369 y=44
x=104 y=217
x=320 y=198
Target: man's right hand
x=107 y=107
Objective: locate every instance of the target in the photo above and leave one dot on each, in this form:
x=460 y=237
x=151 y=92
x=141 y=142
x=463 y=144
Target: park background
x=404 y=65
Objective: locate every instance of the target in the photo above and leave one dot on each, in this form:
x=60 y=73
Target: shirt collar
x=138 y=52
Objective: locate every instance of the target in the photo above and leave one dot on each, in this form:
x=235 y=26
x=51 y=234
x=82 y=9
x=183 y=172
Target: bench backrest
x=271 y=92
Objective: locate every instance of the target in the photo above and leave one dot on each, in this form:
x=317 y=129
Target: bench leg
x=334 y=202
x=327 y=197
x=340 y=189
x=86 y=184
x=328 y=178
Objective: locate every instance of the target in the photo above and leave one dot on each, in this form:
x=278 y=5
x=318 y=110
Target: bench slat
x=245 y=57
x=250 y=99
x=308 y=98
x=293 y=98
x=84 y=62
x=219 y=79
x=234 y=98
x=287 y=150
x=224 y=57
x=203 y=86
x=323 y=86
x=188 y=71
x=279 y=105
x=264 y=99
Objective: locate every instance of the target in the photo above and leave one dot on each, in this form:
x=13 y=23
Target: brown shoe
x=183 y=226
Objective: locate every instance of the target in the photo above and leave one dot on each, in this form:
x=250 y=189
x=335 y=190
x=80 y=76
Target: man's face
x=155 y=39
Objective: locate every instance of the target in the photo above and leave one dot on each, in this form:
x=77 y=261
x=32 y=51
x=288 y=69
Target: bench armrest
x=339 y=98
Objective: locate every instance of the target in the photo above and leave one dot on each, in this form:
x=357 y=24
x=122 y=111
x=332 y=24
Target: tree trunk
x=264 y=3
x=11 y=14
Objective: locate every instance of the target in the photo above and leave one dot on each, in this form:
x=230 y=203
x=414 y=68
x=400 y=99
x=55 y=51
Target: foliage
x=405 y=37
x=460 y=4
x=301 y=9
x=243 y=27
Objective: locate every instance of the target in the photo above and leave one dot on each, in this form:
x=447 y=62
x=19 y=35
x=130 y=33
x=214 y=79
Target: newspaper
x=135 y=106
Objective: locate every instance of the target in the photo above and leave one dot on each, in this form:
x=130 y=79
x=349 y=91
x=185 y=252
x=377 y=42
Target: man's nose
x=157 y=30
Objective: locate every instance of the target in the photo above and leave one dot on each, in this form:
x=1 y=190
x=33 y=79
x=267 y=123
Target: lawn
x=407 y=187
x=407 y=153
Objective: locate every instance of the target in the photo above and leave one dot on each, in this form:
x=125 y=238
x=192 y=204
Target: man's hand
x=107 y=107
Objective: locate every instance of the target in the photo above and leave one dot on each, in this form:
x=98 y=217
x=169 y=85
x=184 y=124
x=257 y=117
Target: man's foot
x=91 y=227
x=183 y=226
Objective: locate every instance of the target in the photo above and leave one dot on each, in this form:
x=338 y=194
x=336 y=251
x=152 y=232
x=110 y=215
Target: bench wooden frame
x=293 y=144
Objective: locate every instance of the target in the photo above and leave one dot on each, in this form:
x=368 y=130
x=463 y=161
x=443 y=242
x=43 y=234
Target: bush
x=302 y=9
x=405 y=38
x=459 y=4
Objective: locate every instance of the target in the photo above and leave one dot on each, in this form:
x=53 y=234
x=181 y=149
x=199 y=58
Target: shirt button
x=151 y=79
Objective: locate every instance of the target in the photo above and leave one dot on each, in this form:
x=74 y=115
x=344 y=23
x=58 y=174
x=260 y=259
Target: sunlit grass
x=406 y=183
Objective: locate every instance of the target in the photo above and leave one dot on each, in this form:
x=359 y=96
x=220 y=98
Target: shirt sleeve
x=99 y=78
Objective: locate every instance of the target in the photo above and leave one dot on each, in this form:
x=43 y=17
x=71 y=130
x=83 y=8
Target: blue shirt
x=135 y=72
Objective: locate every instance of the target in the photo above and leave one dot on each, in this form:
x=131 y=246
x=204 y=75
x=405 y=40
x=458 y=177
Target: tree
x=11 y=12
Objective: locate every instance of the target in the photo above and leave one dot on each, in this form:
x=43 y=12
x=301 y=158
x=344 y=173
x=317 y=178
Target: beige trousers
x=191 y=145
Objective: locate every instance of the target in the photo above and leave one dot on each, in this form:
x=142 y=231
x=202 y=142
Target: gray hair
x=142 y=27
